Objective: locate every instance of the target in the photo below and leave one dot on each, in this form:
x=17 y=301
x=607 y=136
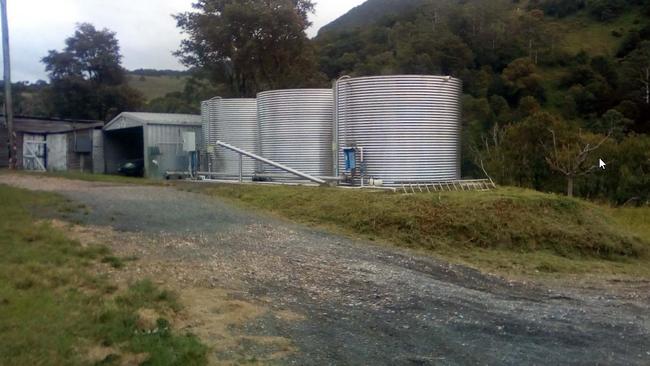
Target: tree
x=612 y=122
x=637 y=69
x=522 y=79
x=87 y=79
x=250 y=45
x=571 y=152
x=606 y=9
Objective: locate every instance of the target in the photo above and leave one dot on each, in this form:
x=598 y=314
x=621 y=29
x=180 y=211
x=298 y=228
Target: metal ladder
x=480 y=185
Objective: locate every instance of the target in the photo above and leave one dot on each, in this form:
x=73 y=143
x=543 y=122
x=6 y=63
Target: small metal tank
x=406 y=127
x=296 y=129
x=233 y=121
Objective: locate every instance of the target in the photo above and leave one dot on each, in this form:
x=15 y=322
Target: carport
x=154 y=140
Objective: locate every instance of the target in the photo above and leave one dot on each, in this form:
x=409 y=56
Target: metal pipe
x=241 y=168
x=335 y=138
x=272 y=163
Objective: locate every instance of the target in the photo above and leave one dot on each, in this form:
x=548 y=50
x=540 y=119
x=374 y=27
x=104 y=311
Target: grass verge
x=507 y=230
x=87 y=177
x=54 y=310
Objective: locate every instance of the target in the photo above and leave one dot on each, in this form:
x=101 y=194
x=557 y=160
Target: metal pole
x=241 y=168
x=9 y=113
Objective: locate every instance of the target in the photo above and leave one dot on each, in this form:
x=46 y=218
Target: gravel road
x=364 y=304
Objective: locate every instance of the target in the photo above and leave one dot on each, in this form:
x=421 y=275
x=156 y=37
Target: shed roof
x=43 y=125
x=138 y=119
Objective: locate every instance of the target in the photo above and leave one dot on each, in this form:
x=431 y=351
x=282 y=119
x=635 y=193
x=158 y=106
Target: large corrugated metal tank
x=233 y=121
x=408 y=126
x=205 y=124
x=296 y=129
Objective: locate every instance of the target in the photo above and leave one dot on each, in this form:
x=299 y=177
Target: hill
x=157 y=83
x=370 y=12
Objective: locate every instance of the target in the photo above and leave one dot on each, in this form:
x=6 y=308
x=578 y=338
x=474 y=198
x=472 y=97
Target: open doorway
x=122 y=147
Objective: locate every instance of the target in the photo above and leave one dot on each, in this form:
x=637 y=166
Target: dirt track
x=339 y=301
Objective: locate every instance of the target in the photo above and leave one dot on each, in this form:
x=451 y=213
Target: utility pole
x=9 y=113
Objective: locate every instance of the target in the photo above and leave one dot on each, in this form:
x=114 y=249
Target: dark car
x=133 y=168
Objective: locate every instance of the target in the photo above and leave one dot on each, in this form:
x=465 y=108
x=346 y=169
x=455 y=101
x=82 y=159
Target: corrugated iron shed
x=138 y=119
x=152 y=139
x=39 y=125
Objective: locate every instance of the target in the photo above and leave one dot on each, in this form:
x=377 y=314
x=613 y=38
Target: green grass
x=636 y=219
x=53 y=309
x=153 y=87
x=583 y=33
x=508 y=230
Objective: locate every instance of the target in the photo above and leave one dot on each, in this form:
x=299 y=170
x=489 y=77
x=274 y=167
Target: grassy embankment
x=54 y=310
x=510 y=230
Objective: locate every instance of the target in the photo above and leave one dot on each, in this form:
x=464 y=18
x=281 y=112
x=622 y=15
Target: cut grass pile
x=511 y=230
x=55 y=311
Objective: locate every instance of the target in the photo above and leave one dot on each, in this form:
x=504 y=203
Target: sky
x=145 y=29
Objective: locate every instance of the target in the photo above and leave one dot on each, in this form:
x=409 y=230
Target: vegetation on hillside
x=371 y=12
x=156 y=86
x=54 y=309
x=550 y=86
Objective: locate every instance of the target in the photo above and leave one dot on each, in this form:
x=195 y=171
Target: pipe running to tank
x=272 y=163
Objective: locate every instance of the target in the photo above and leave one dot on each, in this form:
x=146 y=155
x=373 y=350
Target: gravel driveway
x=363 y=304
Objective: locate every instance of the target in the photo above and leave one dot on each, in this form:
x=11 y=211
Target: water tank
x=233 y=121
x=408 y=127
x=296 y=129
x=205 y=123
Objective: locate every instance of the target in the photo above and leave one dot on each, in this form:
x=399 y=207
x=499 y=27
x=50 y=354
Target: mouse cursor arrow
x=601 y=164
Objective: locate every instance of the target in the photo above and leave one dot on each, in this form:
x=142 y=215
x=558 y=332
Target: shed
x=154 y=140
x=54 y=144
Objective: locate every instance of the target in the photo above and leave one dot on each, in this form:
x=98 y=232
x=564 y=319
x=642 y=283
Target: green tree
x=87 y=79
x=613 y=122
x=250 y=45
x=636 y=69
x=522 y=79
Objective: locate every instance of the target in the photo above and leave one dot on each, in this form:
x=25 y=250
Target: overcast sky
x=145 y=28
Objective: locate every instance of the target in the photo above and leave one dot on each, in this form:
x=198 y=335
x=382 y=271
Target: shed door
x=57 y=152
x=34 y=148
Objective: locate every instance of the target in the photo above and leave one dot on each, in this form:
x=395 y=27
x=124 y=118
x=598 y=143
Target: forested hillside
x=370 y=12
x=551 y=86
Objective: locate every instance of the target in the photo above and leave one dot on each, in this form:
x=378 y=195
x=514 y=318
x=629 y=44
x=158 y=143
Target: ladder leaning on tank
x=287 y=169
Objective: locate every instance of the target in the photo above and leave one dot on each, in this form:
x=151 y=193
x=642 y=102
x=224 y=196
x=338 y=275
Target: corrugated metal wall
x=99 y=164
x=164 y=149
x=296 y=129
x=79 y=162
x=408 y=126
